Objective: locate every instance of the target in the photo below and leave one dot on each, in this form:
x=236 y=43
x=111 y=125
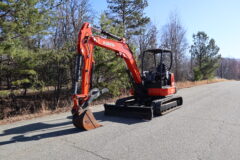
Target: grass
x=188 y=84
x=34 y=115
x=4 y=93
x=43 y=111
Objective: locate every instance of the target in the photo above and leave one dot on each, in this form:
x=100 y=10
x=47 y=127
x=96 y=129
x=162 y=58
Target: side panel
x=161 y=91
x=164 y=91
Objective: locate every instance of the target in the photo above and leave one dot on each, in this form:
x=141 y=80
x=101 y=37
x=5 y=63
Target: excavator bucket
x=85 y=120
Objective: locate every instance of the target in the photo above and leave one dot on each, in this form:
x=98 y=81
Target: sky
x=220 y=19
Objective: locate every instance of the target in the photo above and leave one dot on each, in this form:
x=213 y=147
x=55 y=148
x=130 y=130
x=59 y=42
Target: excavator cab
x=156 y=93
x=156 y=75
x=156 y=66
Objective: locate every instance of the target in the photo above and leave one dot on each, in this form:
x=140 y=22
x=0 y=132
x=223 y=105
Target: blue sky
x=220 y=19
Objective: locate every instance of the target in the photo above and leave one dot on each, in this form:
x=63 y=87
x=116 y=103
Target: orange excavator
x=153 y=89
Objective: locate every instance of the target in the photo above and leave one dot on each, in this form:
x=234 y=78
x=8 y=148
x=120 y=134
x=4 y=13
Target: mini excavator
x=153 y=89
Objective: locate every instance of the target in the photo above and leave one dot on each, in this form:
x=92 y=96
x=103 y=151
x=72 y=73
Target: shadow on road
x=22 y=138
x=101 y=118
x=51 y=129
x=35 y=127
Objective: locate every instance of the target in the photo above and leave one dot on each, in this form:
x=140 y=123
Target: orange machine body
x=86 y=43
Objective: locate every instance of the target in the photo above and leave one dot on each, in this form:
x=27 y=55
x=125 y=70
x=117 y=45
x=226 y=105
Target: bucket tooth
x=85 y=120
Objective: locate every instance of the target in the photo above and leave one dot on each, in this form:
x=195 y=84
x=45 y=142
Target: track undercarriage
x=130 y=107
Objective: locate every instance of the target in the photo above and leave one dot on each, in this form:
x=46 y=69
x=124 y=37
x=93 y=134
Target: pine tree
x=22 y=20
x=205 y=54
x=109 y=71
x=129 y=15
x=22 y=23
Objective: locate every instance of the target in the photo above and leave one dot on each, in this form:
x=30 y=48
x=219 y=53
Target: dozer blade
x=129 y=111
x=85 y=120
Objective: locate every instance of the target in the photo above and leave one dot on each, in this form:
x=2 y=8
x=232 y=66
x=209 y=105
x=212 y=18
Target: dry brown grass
x=44 y=111
x=34 y=115
x=188 y=84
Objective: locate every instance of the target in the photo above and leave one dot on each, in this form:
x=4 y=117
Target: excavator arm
x=85 y=47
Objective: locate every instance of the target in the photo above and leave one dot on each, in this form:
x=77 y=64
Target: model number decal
x=108 y=44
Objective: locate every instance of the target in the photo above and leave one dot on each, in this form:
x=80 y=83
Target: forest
x=38 y=47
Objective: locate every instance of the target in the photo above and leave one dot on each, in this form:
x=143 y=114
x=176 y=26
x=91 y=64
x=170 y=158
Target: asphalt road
x=206 y=127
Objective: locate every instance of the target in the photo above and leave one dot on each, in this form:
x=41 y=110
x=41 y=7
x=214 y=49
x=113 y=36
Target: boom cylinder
x=77 y=73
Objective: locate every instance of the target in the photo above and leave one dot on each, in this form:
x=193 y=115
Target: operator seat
x=162 y=74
